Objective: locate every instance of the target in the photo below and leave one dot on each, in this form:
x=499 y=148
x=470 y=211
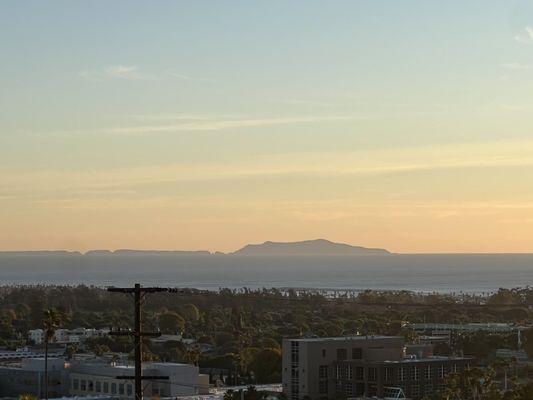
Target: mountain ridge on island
x=308 y=247
x=303 y=248
x=133 y=252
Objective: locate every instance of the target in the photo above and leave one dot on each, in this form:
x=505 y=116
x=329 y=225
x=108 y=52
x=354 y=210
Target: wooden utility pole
x=139 y=295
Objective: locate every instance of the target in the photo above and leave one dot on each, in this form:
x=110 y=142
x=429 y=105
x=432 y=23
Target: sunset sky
x=406 y=125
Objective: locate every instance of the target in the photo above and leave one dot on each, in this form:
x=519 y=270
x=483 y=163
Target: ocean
x=467 y=273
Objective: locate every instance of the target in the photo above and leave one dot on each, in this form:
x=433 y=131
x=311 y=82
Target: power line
x=139 y=296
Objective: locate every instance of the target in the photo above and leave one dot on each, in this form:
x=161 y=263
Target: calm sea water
x=441 y=273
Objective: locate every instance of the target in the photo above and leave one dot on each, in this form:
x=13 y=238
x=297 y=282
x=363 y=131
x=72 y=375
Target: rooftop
x=426 y=359
x=344 y=338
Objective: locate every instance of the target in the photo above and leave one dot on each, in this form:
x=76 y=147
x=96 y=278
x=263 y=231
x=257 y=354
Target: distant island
x=307 y=247
x=130 y=252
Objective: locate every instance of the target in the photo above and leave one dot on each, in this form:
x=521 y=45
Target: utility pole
x=139 y=295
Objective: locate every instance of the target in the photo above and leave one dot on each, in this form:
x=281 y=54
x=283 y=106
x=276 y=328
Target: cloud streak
x=133 y=73
x=316 y=166
x=124 y=72
x=516 y=66
x=204 y=124
x=185 y=77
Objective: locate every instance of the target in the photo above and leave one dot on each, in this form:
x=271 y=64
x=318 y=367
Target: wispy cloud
x=132 y=72
x=185 y=77
x=525 y=36
x=193 y=124
x=124 y=72
x=516 y=107
x=127 y=72
x=304 y=102
x=340 y=165
x=517 y=66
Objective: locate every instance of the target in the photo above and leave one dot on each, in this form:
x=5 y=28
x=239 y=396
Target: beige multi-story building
x=363 y=366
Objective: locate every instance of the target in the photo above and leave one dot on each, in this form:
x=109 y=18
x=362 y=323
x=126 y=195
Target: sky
x=213 y=124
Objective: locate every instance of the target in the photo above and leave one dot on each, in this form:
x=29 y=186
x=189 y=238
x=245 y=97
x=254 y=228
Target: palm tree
x=52 y=320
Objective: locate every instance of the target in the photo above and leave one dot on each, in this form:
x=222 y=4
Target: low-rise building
x=363 y=366
x=36 y=336
x=27 y=377
x=434 y=340
x=439 y=329
x=66 y=336
x=98 y=377
x=519 y=355
x=103 y=379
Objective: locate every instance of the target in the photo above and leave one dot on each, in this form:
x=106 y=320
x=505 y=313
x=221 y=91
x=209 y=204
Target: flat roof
x=344 y=338
x=425 y=359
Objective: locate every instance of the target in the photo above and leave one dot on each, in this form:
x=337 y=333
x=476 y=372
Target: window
x=415 y=390
x=389 y=373
x=440 y=372
x=98 y=386
x=106 y=387
x=90 y=386
x=428 y=389
x=323 y=353
x=357 y=353
x=401 y=374
x=372 y=374
x=323 y=372
x=323 y=387
x=349 y=372
x=349 y=389
x=120 y=388
x=338 y=371
x=427 y=371
x=454 y=368
x=295 y=351
x=294 y=391
x=76 y=384
x=129 y=390
x=338 y=387
x=294 y=373
x=342 y=354
x=83 y=384
x=359 y=389
x=113 y=388
x=359 y=373
x=415 y=374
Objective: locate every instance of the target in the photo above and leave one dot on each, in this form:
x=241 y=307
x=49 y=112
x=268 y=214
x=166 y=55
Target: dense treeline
x=241 y=330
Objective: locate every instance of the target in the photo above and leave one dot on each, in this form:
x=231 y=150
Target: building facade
x=28 y=378
x=66 y=336
x=358 y=367
x=102 y=379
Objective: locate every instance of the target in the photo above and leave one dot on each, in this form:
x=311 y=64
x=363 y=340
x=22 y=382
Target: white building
x=101 y=379
x=67 y=336
x=36 y=336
